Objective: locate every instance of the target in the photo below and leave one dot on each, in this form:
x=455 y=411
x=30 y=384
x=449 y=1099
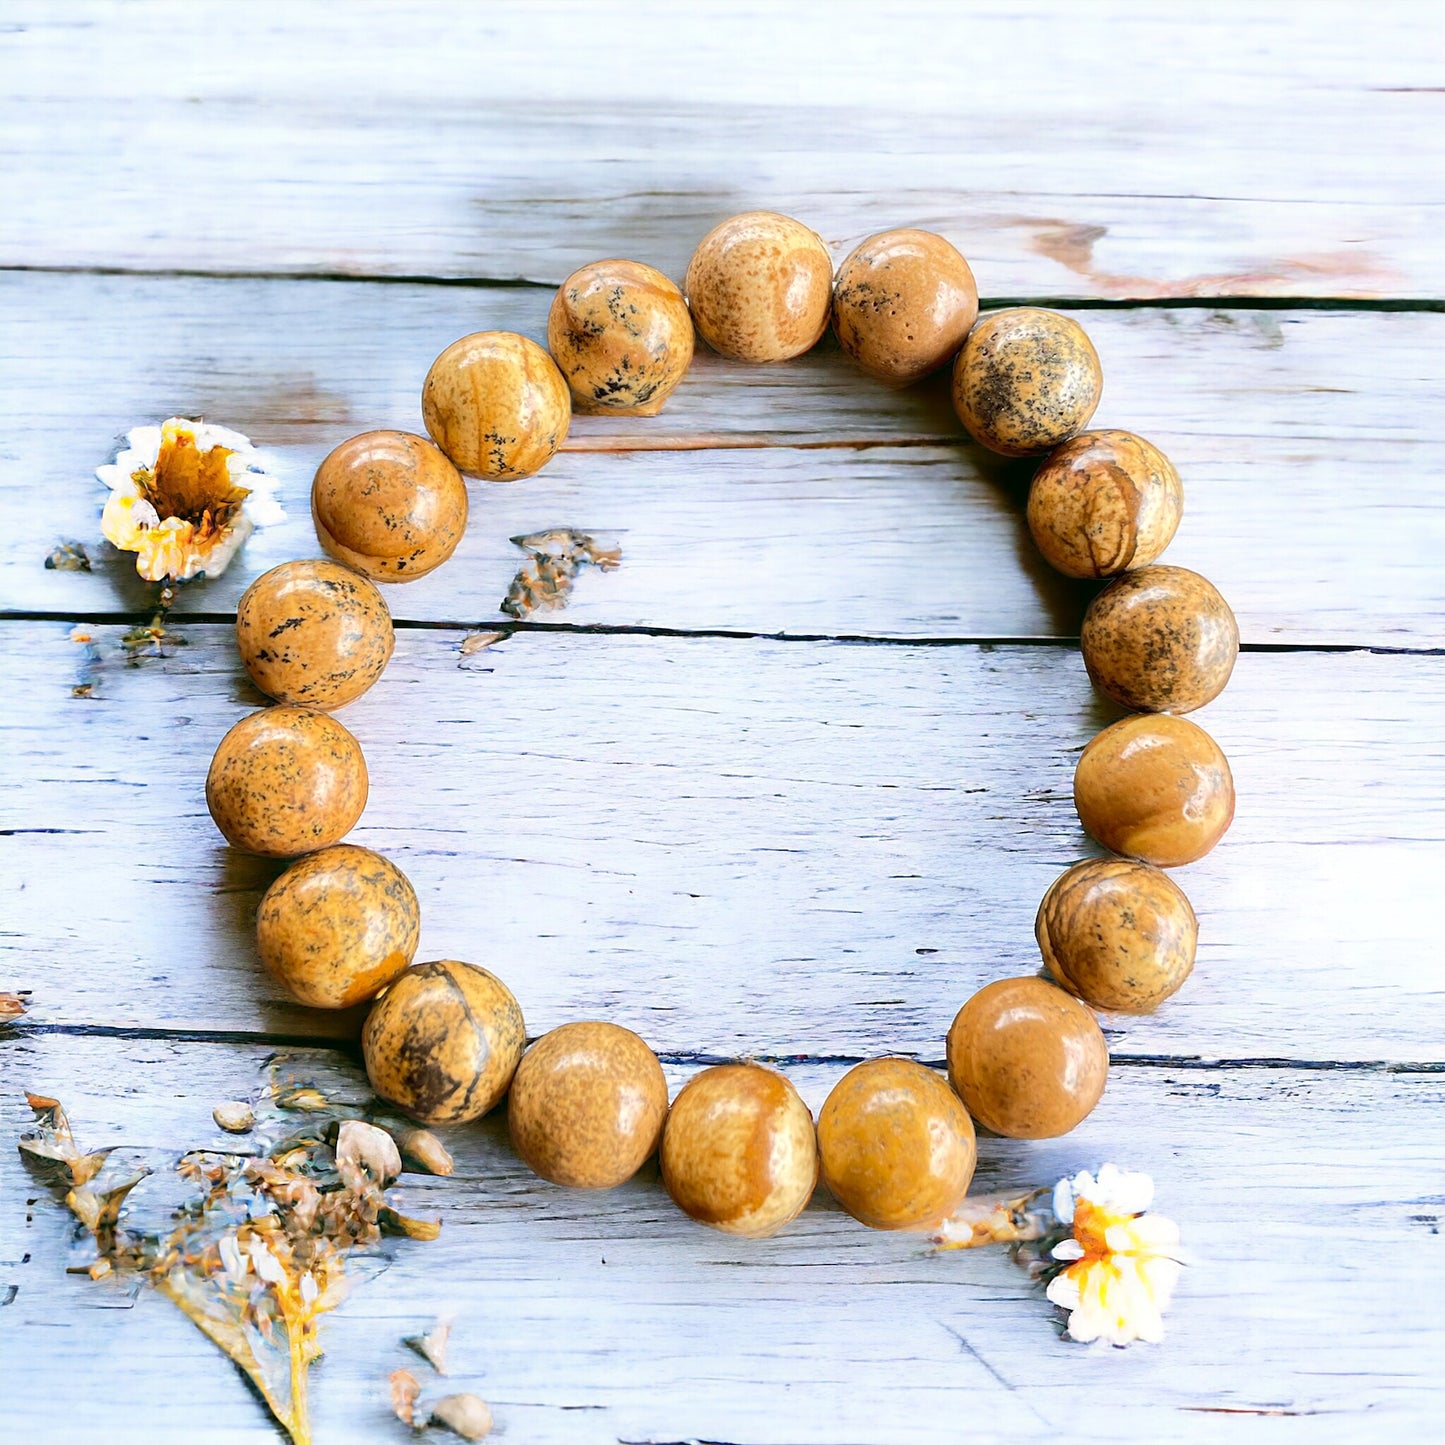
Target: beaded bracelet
x=445 y=1041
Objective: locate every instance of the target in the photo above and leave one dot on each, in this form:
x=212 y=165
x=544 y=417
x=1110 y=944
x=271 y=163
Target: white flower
x=1121 y=1263
x=184 y=496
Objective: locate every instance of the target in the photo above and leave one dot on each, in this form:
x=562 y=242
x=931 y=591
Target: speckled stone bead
x=286 y=781
x=337 y=926
x=1027 y=1058
x=1026 y=380
x=903 y=302
x=1161 y=639
x=760 y=286
x=897 y=1147
x=621 y=334
x=1119 y=934
x=1156 y=788
x=389 y=505
x=587 y=1105
x=739 y=1151
x=313 y=633
x=443 y=1042
x=496 y=404
x=1104 y=501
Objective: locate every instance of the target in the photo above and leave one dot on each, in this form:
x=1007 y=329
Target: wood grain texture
x=1122 y=150
x=1306 y=441
x=601 y=1318
x=732 y=845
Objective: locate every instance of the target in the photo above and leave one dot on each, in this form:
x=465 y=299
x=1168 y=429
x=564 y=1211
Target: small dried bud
x=235 y=1117
x=463 y=1415
x=404 y=1394
x=365 y=1155
x=432 y=1347
x=422 y=1148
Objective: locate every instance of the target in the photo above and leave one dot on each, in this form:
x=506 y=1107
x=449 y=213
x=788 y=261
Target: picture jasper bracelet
x=445 y=1040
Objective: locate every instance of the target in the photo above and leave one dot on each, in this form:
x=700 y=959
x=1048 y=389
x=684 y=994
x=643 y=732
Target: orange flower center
x=192 y=485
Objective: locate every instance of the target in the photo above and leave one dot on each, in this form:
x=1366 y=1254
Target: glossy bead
x=903 y=301
x=1155 y=787
x=1161 y=639
x=621 y=335
x=1119 y=934
x=313 y=633
x=389 y=505
x=496 y=404
x=1104 y=501
x=739 y=1151
x=587 y=1105
x=443 y=1042
x=286 y=781
x=897 y=1147
x=1026 y=380
x=337 y=926
x=1027 y=1058
x=760 y=286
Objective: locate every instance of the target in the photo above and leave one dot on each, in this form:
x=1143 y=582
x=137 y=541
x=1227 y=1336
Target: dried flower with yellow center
x=177 y=499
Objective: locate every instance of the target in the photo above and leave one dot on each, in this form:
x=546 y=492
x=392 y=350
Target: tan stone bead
x=587 y=1105
x=1026 y=380
x=1027 y=1058
x=286 y=781
x=443 y=1041
x=1119 y=934
x=898 y=1149
x=1155 y=787
x=760 y=286
x=903 y=302
x=739 y=1151
x=1160 y=639
x=496 y=404
x=389 y=504
x=621 y=335
x=1102 y=502
x=337 y=926
x=313 y=633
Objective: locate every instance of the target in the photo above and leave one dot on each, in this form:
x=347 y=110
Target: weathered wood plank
x=1070 y=150
x=787 y=848
x=604 y=1318
x=1306 y=441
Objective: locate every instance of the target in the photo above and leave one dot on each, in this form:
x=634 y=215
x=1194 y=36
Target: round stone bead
x=313 y=633
x=388 y=504
x=1119 y=934
x=443 y=1042
x=338 y=926
x=897 y=1147
x=739 y=1151
x=1026 y=380
x=587 y=1105
x=621 y=335
x=1102 y=502
x=496 y=404
x=1028 y=1059
x=903 y=302
x=1160 y=639
x=1156 y=788
x=286 y=781
x=760 y=286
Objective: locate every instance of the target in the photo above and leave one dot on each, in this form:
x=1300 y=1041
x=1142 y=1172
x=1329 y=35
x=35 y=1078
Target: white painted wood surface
x=1307 y=441
x=741 y=844
x=581 y=1318
x=1120 y=149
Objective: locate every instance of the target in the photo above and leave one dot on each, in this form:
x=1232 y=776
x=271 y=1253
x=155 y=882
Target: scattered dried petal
x=405 y=1391
x=432 y=1346
x=236 y=1117
x=996 y=1219
x=476 y=641
x=306 y=1098
x=13 y=1006
x=366 y=1156
x=99 y=1269
x=545 y=581
x=463 y=1415
x=420 y=1148
x=395 y=1223
x=68 y=557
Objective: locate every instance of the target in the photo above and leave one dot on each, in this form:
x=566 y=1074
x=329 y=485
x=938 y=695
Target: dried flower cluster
x=259 y=1255
x=545 y=580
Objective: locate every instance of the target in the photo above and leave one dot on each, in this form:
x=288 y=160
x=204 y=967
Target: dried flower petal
x=405 y=1391
x=463 y=1415
x=420 y=1148
x=557 y=556
x=305 y=1097
x=366 y=1156
x=395 y=1223
x=236 y=1117
x=432 y=1346
x=995 y=1219
x=68 y=557
x=476 y=641
x=13 y=1006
